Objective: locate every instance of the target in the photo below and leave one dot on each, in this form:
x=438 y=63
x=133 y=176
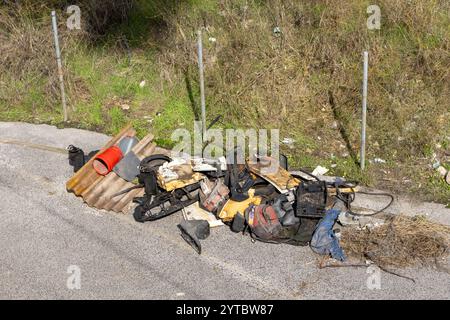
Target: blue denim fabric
x=324 y=241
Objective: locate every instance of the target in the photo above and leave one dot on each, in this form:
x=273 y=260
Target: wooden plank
x=280 y=178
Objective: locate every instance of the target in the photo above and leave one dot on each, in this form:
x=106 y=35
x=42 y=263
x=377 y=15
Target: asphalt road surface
x=49 y=237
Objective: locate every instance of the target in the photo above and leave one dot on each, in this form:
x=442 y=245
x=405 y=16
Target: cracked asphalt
x=44 y=231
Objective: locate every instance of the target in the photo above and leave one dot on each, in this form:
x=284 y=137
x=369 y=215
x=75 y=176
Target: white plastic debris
x=319 y=170
x=212 y=39
x=142 y=84
x=379 y=160
x=125 y=106
x=288 y=141
x=436 y=165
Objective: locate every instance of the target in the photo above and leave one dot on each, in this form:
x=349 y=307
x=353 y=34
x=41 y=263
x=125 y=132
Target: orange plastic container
x=105 y=161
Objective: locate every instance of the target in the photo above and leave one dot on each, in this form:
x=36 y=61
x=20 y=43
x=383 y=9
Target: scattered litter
x=277 y=31
x=288 y=141
x=319 y=170
x=259 y=197
x=142 y=84
x=377 y=160
x=436 y=165
x=125 y=106
x=212 y=39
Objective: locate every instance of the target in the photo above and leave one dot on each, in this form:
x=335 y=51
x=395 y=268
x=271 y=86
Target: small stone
x=125 y=106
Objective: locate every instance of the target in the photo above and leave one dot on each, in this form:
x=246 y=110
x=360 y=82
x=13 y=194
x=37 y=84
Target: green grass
x=176 y=114
x=406 y=57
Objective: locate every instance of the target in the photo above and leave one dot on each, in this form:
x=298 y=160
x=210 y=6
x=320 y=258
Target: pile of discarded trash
x=258 y=196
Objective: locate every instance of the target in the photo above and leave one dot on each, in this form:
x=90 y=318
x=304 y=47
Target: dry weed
x=400 y=242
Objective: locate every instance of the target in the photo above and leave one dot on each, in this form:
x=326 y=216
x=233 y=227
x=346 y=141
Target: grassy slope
x=305 y=82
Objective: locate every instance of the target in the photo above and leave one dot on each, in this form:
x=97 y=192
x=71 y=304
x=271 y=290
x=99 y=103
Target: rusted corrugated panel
x=96 y=190
x=87 y=176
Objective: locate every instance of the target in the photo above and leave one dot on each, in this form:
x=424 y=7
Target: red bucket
x=105 y=161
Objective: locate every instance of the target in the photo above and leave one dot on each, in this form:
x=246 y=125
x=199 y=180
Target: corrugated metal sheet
x=96 y=190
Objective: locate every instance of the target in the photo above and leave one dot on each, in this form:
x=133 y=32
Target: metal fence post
x=58 y=60
x=202 y=84
x=364 y=112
